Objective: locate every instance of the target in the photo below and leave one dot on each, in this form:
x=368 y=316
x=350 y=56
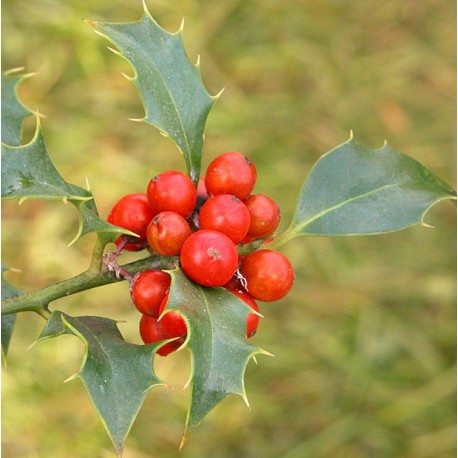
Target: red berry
x=167 y=232
x=148 y=290
x=152 y=331
x=134 y=213
x=172 y=191
x=209 y=257
x=227 y=214
x=269 y=275
x=252 y=319
x=172 y=322
x=264 y=215
x=231 y=173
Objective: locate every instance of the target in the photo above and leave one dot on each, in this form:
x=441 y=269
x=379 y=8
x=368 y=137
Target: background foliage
x=365 y=342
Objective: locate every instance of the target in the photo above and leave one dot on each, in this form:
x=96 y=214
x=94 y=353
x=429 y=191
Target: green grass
x=365 y=343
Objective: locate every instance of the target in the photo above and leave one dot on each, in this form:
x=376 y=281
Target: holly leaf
x=354 y=190
x=28 y=173
x=170 y=86
x=13 y=110
x=7 y=320
x=117 y=375
x=220 y=351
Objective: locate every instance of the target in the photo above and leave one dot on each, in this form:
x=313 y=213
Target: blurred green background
x=365 y=343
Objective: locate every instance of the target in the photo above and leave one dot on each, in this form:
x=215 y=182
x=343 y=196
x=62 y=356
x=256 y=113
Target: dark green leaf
x=117 y=375
x=7 y=320
x=28 y=173
x=13 y=111
x=220 y=352
x=170 y=86
x=353 y=190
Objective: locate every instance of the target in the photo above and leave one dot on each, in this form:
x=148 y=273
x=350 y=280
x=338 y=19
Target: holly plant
x=212 y=252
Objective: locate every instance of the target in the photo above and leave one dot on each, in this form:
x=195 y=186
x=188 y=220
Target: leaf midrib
x=300 y=227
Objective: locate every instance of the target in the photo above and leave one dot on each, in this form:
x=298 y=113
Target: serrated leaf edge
x=154 y=347
x=134 y=78
x=38 y=134
x=293 y=230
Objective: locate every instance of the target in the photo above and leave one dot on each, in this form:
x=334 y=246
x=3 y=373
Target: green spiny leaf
x=170 y=86
x=117 y=375
x=216 y=321
x=353 y=190
x=28 y=173
x=7 y=320
x=13 y=111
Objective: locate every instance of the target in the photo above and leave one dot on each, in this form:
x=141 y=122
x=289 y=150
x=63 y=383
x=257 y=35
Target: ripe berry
x=152 y=331
x=252 y=319
x=227 y=214
x=172 y=191
x=172 y=322
x=134 y=213
x=167 y=232
x=209 y=257
x=269 y=275
x=264 y=215
x=231 y=173
x=148 y=289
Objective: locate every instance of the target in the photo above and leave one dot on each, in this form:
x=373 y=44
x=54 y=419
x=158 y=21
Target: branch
x=38 y=301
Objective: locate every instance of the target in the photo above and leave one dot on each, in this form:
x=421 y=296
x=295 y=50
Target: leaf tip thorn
x=32 y=345
x=128 y=77
x=183 y=440
x=181 y=28
x=266 y=353
x=91 y=22
x=218 y=95
x=77 y=236
x=115 y=51
x=145 y=8
x=247 y=402
x=72 y=377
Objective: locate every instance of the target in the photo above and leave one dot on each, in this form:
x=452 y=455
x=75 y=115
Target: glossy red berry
x=209 y=257
x=152 y=331
x=252 y=319
x=172 y=191
x=167 y=232
x=172 y=322
x=231 y=173
x=148 y=290
x=264 y=215
x=268 y=274
x=227 y=214
x=134 y=213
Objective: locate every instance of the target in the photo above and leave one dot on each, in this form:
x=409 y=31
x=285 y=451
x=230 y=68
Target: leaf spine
x=218 y=95
x=181 y=28
x=128 y=78
x=115 y=51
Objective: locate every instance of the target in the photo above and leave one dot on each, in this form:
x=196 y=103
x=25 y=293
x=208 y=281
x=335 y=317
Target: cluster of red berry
x=203 y=227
